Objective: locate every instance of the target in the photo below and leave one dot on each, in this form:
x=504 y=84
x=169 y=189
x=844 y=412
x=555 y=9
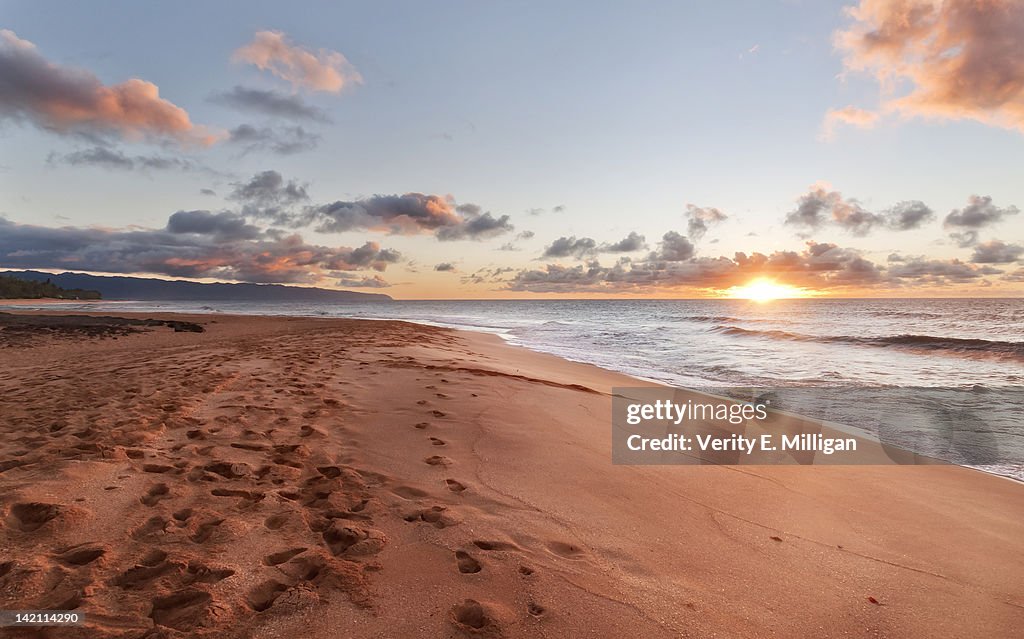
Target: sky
x=519 y=149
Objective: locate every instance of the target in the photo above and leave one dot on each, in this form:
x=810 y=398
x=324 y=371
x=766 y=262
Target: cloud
x=570 y=247
x=223 y=226
x=909 y=215
x=698 y=219
x=324 y=70
x=821 y=206
x=964 y=224
x=673 y=248
x=371 y=255
x=540 y=211
x=979 y=213
x=69 y=100
x=476 y=226
x=409 y=214
x=375 y=281
x=195 y=244
x=1016 y=276
x=960 y=59
x=268 y=196
x=820 y=266
x=487 y=275
x=272 y=103
x=938 y=272
x=848 y=115
x=632 y=242
x=286 y=140
x=512 y=246
x=582 y=247
x=207 y=192
x=997 y=252
x=113 y=159
x=445 y=267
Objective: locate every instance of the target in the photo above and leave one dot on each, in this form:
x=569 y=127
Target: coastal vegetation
x=14 y=288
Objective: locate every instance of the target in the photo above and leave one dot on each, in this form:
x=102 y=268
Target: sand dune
x=276 y=477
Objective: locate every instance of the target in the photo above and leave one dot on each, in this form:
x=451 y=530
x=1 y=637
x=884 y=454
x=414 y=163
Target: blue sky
x=619 y=114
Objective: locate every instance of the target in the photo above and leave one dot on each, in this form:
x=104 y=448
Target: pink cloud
x=849 y=115
x=66 y=99
x=950 y=59
x=324 y=70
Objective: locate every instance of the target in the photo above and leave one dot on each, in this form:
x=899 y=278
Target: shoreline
x=276 y=477
x=641 y=381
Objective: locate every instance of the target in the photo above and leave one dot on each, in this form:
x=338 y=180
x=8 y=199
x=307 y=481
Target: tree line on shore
x=14 y=288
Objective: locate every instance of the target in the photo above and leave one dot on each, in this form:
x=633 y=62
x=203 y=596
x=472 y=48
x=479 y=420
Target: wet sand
x=284 y=477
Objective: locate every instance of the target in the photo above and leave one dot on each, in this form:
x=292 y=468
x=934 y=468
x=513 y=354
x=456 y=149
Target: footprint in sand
x=437 y=442
x=350 y=540
x=29 y=517
x=262 y=597
x=438 y=460
x=435 y=515
x=566 y=550
x=495 y=545
x=275 y=522
x=182 y=611
x=197 y=573
x=471 y=617
x=422 y=425
x=81 y=555
x=155 y=494
x=455 y=486
x=466 y=563
x=282 y=556
x=206 y=530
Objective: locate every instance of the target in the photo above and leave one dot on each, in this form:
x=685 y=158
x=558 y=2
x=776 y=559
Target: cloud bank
x=194 y=244
x=821 y=206
x=819 y=266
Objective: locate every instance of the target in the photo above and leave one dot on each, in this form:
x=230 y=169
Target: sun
x=765 y=290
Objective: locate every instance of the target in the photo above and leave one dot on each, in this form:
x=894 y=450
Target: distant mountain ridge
x=116 y=287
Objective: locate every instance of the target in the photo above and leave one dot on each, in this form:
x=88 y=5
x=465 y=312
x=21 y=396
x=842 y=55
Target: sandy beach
x=287 y=477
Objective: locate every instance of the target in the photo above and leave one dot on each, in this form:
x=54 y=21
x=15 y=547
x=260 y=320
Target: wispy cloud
x=323 y=70
x=116 y=160
x=286 y=140
x=270 y=103
x=848 y=115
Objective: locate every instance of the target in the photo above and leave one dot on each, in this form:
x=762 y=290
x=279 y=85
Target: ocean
x=853 y=362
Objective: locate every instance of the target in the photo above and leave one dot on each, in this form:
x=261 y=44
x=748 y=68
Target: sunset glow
x=765 y=290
